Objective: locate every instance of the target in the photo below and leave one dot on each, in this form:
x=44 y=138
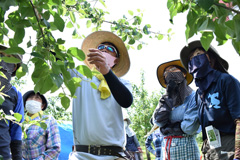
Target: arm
x=190 y=123
x=162 y=112
x=231 y=91
x=148 y=144
x=53 y=144
x=120 y=92
x=16 y=131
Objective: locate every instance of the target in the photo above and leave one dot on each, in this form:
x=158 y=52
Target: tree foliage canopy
x=219 y=19
x=46 y=17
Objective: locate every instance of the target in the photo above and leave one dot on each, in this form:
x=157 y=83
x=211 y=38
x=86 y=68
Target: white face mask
x=33 y=106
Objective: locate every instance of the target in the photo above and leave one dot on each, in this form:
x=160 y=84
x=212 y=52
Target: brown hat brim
x=187 y=50
x=94 y=39
x=161 y=69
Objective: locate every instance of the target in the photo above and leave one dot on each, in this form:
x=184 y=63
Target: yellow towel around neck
x=34 y=116
x=103 y=86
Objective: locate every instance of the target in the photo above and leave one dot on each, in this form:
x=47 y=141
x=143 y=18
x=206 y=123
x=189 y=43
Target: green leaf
x=65 y=101
x=131 y=41
x=18 y=117
x=220 y=31
x=58 y=21
x=20 y=73
x=206 y=39
x=11 y=60
x=89 y=23
x=57 y=79
x=160 y=37
x=69 y=25
x=2 y=99
x=103 y=3
x=14 y=50
x=70 y=2
x=236 y=20
x=43 y=125
x=130 y=12
x=72 y=16
x=45 y=84
x=77 y=53
x=94 y=86
x=139 y=47
x=145 y=29
x=83 y=69
x=5 y=4
x=205 y=4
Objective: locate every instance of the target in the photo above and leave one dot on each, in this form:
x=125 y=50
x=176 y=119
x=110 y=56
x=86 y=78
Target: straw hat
x=94 y=39
x=31 y=92
x=186 y=51
x=161 y=69
x=19 y=56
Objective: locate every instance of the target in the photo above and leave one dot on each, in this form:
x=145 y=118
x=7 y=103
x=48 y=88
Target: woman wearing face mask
x=132 y=145
x=40 y=143
x=176 y=114
x=220 y=101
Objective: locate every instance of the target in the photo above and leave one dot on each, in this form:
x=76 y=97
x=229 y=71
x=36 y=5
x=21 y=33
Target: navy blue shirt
x=10 y=132
x=220 y=104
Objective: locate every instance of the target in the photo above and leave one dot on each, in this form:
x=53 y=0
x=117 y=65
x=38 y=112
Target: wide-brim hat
x=128 y=120
x=187 y=50
x=161 y=68
x=96 y=38
x=28 y=93
x=19 y=56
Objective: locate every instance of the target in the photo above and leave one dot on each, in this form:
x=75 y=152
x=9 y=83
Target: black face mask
x=177 y=88
x=173 y=80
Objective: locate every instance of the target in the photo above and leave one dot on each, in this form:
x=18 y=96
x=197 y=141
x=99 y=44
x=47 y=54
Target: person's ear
x=116 y=61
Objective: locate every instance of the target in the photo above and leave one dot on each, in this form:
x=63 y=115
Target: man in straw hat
x=176 y=114
x=10 y=133
x=219 y=111
x=97 y=114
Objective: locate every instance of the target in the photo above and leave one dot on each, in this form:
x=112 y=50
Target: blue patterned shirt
x=156 y=138
x=42 y=144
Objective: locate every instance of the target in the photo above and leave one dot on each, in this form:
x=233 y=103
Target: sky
x=156 y=51
x=160 y=51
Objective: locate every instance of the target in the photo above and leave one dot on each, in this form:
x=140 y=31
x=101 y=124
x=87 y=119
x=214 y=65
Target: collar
x=28 y=118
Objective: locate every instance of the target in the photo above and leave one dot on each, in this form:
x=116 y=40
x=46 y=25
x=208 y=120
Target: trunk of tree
x=148 y=155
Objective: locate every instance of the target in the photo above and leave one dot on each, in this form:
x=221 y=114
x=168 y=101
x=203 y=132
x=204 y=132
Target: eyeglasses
x=108 y=47
x=170 y=70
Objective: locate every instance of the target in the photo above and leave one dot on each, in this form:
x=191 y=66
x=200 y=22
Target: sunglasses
x=108 y=47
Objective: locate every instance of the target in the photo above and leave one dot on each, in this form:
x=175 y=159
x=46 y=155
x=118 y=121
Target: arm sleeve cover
x=120 y=92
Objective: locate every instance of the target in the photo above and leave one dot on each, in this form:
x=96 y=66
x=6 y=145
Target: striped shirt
x=42 y=144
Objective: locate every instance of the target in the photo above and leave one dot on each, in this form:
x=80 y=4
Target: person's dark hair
x=215 y=63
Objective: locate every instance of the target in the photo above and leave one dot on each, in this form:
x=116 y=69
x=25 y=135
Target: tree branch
x=227 y=8
x=34 y=10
